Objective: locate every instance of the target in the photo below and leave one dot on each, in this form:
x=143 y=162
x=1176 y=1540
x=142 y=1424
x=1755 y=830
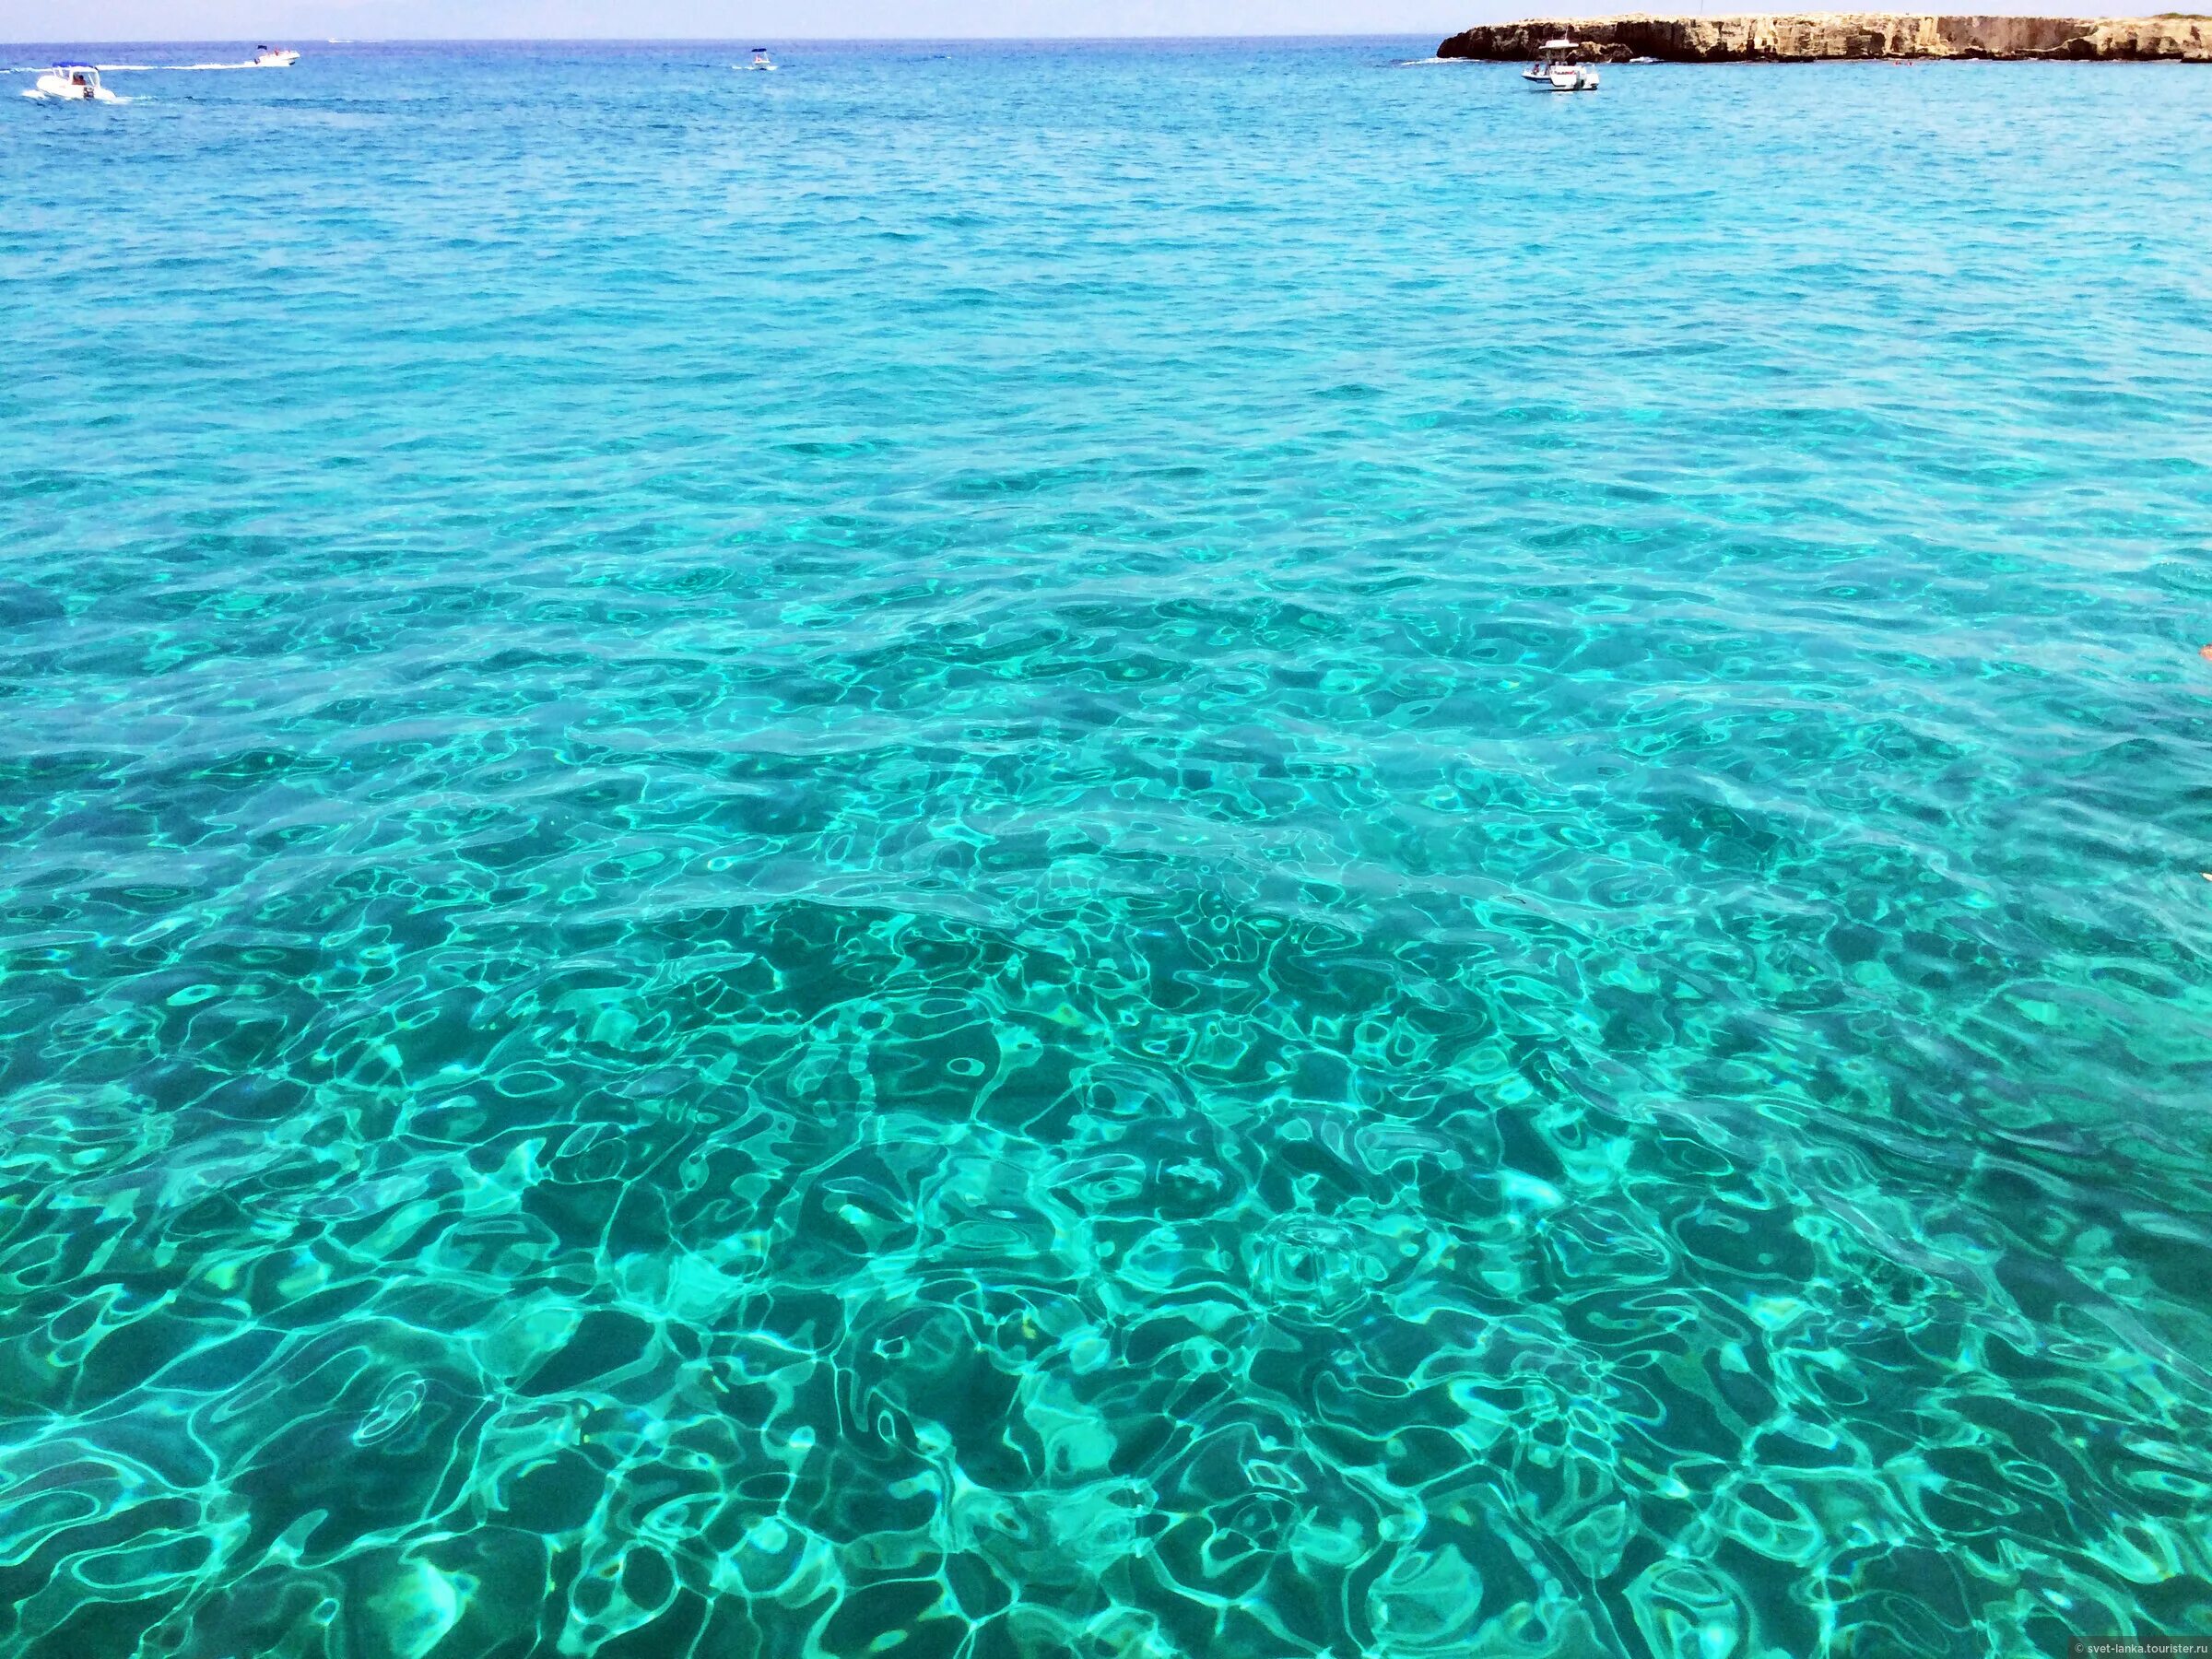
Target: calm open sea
x=1125 y=851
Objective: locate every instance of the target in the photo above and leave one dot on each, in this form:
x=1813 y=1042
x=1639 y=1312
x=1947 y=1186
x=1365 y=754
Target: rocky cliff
x=1814 y=35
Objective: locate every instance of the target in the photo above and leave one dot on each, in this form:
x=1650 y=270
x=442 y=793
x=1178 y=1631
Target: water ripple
x=1123 y=851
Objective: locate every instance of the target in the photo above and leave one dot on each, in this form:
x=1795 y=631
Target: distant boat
x=1559 y=68
x=274 y=57
x=76 y=82
x=761 y=59
x=1643 y=60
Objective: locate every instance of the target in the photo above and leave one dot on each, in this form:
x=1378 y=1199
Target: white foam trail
x=147 y=68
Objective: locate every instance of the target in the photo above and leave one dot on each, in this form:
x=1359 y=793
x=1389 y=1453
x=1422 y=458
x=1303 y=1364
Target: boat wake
x=137 y=69
x=264 y=57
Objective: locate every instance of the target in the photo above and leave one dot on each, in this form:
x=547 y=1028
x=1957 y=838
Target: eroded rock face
x=1808 y=36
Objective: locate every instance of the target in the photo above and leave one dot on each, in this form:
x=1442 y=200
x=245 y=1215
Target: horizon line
x=1396 y=34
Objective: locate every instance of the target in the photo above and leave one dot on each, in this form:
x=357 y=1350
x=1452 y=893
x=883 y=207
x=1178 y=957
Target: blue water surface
x=1105 y=849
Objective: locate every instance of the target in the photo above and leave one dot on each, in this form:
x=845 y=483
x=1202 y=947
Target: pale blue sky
x=301 y=22
x=306 y=21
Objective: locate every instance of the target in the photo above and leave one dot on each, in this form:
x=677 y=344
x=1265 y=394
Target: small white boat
x=78 y=82
x=1643 y=60
x=274 y=57
x=762 y=59
x=1561 y=69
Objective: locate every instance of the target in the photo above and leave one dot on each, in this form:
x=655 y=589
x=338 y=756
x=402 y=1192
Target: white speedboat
x=1561 y=69
x=274 y=57
x=761 y=59
x=75 y=81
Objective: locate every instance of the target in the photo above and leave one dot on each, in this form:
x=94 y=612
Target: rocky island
x=1812 y=36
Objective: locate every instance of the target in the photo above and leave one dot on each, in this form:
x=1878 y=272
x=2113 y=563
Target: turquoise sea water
x=1123 y=851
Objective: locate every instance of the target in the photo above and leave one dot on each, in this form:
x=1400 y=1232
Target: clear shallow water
x=1128 y=850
